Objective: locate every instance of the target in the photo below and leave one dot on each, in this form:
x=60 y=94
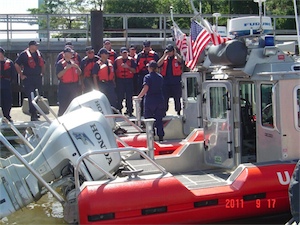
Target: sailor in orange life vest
x=171 y=70
x=124 y=67
x=76 y=57
x=143 y=58
x=30 y=66
x=8 y=75
x=104 y=77
x=86 y=66
x=112 y=53
x=154 y=105
x=68 y=73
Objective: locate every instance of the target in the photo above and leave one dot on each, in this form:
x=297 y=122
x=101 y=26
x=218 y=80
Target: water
x=45 y=211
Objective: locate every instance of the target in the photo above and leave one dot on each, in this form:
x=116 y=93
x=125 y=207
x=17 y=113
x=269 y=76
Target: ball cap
x=132 y=46
x=152 y=64
x=170 y=48
x=67 y=49
x=69 y=43
x=103 y=51
x=147 y=43
x=33 y=43
x=106 y=42
x=123 y=49
x=2 y=50
x=89 y=48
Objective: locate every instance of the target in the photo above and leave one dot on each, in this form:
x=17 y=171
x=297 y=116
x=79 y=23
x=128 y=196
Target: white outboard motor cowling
x=78 y=132
x=95 y=100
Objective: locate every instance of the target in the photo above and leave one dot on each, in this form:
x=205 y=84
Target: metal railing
x=44 y=25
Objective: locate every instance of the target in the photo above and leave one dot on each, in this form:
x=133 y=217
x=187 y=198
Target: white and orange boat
x=240 y=167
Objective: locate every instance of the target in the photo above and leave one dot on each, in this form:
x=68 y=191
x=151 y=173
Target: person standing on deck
x=171 y=70
x=8 y=75
x=104 y=77
x=154 y=105
x=68 y=73
x=86 y=66
x=124 y=67
x=143 y=58
x=30 y=66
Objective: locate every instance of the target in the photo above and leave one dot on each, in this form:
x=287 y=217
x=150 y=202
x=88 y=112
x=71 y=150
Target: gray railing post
x=150 y=136
x=138 y=115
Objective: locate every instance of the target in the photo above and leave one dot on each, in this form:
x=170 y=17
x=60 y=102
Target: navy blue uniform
x=33 y=74
x=8 y=75
x=154 y=101
x=142 y=60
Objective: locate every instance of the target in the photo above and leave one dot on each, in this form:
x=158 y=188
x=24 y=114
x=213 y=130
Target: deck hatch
x=155 y=210
x=206 y=203
x=254 y=196
x=99 y=217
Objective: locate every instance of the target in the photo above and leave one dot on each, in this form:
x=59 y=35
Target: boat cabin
x=248 y=105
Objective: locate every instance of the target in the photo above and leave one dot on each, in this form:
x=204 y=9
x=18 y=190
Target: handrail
x=162 y=29
x=30 y=168
x=108 y=174
x=34 y=103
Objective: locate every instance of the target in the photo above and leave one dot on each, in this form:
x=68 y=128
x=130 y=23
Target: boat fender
x=231 y=53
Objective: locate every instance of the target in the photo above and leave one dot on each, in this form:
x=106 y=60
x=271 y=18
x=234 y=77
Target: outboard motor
x=95 y=100
x=78 y=132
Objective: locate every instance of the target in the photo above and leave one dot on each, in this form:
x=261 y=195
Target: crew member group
x=120 y=75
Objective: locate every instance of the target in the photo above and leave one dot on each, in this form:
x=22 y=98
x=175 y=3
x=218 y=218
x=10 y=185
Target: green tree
x=282 y=7
x=143 y=7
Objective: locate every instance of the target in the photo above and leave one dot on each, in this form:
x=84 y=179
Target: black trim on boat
x=254 y=196
x=206 y=203
x=155 y=210
x=99 y=217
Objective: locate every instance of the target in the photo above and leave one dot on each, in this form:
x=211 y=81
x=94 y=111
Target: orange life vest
x=71 y=75
x=76 y=59
x=31 y=61
x=144 y=59
x=123 y=72
x=88 y=66
x=112 y=54
x=106 y=72
x=176 y=67
x=6 y=66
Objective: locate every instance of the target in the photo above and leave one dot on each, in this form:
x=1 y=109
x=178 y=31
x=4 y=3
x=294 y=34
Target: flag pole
x=171 y=12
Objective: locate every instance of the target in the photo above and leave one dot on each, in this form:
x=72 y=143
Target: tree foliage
x=143 y=7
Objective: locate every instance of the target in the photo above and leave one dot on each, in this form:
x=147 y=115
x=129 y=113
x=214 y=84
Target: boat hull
x=252 y=190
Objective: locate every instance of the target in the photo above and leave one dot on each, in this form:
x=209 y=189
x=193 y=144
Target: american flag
x=180 y=40
x=216 y=38
x=199 y=39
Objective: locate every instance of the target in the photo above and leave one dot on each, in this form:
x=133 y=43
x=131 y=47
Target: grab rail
x=108 y=174
x=38 y=108
x=29 y=167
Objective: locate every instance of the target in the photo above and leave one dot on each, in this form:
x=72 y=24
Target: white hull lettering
x=287 y=178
